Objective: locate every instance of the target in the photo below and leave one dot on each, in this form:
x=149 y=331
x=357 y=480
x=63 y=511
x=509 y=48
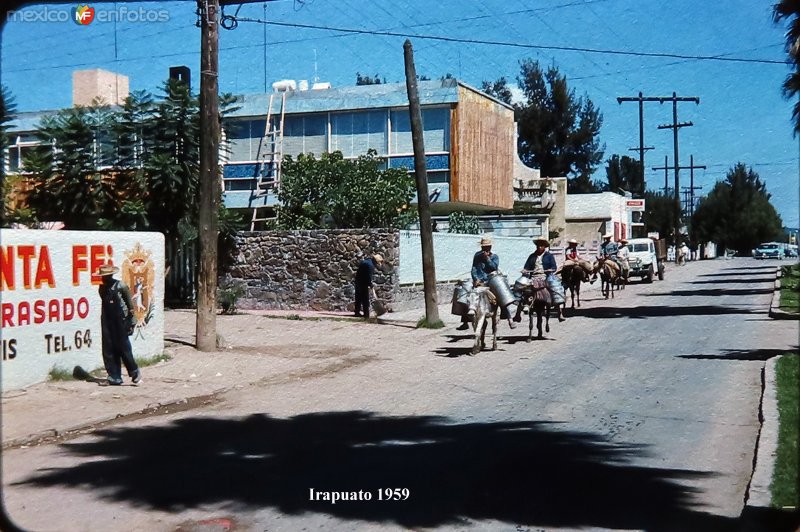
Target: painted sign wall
x=49 y=301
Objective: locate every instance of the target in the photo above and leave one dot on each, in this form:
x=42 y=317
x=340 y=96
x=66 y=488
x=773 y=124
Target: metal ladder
x=270 y=159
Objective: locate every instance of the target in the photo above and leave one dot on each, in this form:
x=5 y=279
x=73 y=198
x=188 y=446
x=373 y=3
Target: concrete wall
x=453 y=255
x=310 y=269
x=50 y=305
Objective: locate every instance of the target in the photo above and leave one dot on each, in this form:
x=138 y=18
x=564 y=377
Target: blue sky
x=741 y=116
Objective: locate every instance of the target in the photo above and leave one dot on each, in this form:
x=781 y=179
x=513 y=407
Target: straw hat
x=378 y=257
x=623 y=240
x=486 y=241
x=106 y=269
x=541 y=242
x=607 y=235
x=572 y=241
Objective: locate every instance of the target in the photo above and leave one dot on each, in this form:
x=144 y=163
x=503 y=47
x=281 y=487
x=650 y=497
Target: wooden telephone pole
x=421 y=175
x=208 y=218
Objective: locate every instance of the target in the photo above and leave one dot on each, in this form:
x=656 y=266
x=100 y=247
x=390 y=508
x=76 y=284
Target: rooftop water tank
x=284 y=85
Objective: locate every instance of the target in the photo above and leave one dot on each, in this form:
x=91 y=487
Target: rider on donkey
x=608 y=250
x=484 y=262
x=540 y=264
x=574 y=259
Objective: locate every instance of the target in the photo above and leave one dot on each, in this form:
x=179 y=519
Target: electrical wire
x=521 y=45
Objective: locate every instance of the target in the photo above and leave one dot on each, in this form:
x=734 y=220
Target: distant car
x=768 y=251
x=791 y=253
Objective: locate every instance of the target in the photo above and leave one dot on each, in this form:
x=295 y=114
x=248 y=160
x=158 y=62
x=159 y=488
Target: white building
x=589 y=216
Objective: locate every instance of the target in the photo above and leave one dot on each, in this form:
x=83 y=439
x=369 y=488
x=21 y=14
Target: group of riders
x=541 y=269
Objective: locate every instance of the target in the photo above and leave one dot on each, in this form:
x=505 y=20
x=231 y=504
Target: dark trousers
x=117 y=351
x=362 y=299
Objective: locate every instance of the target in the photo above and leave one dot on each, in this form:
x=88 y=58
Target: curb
x=774 y=311
x=758 y=493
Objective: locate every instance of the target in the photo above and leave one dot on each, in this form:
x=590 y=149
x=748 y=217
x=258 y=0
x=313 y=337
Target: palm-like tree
x=789 y=10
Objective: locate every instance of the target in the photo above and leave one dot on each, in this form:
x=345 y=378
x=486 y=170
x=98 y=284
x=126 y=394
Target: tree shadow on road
x=528 y=472
x=737 y=280
x=714 y=292
x=741 y=354
x=727 y=272
x=657 y=311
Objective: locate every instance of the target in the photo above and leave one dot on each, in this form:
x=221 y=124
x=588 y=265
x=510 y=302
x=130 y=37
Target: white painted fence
x=453 y=255
x=49 y=302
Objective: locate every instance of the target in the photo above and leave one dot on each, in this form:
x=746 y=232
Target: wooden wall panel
x=483 y=151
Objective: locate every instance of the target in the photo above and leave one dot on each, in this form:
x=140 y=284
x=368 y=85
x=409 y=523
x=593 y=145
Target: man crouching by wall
x=363 y=283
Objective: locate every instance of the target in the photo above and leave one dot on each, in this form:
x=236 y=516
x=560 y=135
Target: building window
x=18 y=150
x=355 y=133
x=305 y=134
x=436 y=131
x=244 y=138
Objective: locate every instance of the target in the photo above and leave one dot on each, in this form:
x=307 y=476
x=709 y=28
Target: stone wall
x=310 y=270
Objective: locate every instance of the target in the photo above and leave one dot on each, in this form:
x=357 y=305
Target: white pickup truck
x=644 y=260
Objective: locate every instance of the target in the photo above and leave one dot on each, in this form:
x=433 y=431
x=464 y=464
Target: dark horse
x=572 y=276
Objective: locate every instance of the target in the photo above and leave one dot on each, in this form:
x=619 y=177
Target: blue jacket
x=482 y=267
x=548 y=261
x=609 y=250
x=365 y=272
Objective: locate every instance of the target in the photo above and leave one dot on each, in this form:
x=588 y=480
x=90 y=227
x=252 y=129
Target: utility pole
x=666 y=169
x=421 y=176
x=208 y=218
x=692 y=188
x=641 y=99
x=675 y=126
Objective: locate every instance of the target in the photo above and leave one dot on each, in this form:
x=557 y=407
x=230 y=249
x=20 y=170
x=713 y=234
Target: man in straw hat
x=484 y=262
x=540 y=264
x=363 y=283
x=573 y=258
x=116 y=320
x=608 y=250
x=623 y=258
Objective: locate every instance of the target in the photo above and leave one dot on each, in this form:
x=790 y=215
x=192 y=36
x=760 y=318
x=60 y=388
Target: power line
x=521 y=45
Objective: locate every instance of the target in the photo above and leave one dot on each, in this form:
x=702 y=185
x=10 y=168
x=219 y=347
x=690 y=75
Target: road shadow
x=453 y=352
x=741 y=354
x=657 y=311
x=737 y=280
x=715 y=292
x=527 y=472
x=524 y=338
x=739 y=271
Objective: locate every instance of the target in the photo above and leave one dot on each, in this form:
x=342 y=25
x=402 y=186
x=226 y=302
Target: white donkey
x=484 y=304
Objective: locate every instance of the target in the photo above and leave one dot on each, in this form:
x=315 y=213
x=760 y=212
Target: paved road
x=639 y=412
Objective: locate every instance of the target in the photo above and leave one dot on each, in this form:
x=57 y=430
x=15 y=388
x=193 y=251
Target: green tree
x=557 y=130
x=789 y=10
x=459 y=222
x=132 y=168
x=334 y=191
x=67 y=182
x=662 y=211
x=624 y=173
x=737 y=213
x=499 y=89
x=366 y=80
x=8 y=110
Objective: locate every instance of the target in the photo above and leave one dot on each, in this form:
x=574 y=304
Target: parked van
x=644 y=260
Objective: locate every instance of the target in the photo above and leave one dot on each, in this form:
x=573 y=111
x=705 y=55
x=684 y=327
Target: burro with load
x=647 y=257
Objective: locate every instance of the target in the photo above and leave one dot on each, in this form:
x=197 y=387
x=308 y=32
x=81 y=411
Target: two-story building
x=469 y=139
